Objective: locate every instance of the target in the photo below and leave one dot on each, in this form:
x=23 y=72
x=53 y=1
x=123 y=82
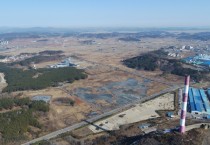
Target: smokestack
x=184 y=105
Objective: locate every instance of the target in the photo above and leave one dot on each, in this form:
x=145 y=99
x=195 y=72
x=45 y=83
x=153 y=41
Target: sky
x=104 y=13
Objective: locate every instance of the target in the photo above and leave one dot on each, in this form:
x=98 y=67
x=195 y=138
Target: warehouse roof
x=208 y=92
x=198 y=101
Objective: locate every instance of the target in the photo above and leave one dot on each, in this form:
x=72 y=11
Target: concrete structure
x=184 y=105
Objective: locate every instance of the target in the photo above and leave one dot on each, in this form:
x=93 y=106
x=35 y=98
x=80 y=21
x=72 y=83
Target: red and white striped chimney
x=184 y=104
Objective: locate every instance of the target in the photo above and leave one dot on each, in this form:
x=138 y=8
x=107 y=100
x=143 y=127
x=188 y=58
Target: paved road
x=78 y=125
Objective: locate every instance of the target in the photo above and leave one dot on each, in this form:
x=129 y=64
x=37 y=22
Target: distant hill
x=203 y=36
x=157 y=60
x=129 y=39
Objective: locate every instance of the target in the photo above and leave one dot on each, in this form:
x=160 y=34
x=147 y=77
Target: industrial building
x=64 y=63
x=4 y=42
x=198 y=103
x=201 y=59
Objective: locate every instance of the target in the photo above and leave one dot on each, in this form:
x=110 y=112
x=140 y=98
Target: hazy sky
x=104 y=13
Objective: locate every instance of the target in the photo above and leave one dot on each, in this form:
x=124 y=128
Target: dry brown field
x=102 y=61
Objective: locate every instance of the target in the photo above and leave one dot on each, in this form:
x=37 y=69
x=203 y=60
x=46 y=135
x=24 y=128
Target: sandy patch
x=138 y=113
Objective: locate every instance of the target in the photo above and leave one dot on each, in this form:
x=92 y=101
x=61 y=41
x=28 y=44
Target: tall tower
x=184 y=104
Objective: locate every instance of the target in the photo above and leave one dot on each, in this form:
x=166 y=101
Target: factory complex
x=198 y=103
x=195 y=104
x=65 y=63
x=201 y=59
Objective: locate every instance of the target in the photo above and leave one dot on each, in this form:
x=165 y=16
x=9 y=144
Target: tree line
x=19 y=80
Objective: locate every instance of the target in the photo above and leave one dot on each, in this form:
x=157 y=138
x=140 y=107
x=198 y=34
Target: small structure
x=170 y=114
x=41 y=98
x=144 y=126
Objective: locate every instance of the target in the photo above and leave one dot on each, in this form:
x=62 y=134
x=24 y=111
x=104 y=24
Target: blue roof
x=195 y=92
x=198 y=107
x=208 y=91
x=206 y=62
x=198 y=100
x=191 y=99
x=208 y=116
x=170 y=113
x=188 y=58
x=205 y=100
x=192 y=106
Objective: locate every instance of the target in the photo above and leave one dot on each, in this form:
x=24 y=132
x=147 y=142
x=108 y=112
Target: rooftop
x=201 y=59
x=198 y=101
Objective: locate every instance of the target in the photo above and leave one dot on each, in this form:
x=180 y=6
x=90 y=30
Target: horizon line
x=104 y=26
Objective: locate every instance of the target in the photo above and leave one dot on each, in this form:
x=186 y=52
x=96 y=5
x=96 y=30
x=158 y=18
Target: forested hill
x=157 y=60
